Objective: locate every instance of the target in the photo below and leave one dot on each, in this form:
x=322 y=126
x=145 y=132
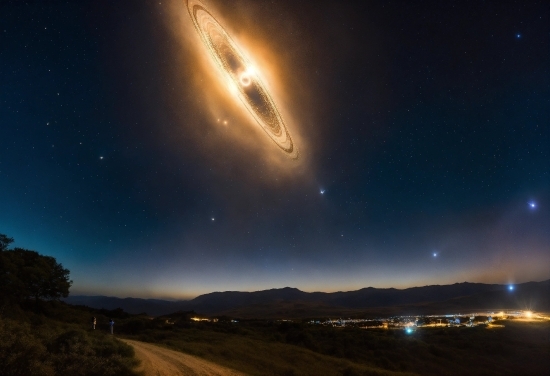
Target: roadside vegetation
x=40 y=335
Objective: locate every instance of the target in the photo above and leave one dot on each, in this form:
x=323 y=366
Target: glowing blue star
x=435 y=254
x=511 y=287
x=532 y=205
x=322 y=191
x=518 y=36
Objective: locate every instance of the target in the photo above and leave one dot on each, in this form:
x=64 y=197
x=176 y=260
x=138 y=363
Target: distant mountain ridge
x=293 y=302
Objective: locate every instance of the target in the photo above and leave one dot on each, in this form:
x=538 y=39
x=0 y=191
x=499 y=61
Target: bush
x=27 y=350
x=20 y=352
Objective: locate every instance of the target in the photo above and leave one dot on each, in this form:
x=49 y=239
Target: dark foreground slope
x=269 y=347
x=291 y=302
x=53 y=338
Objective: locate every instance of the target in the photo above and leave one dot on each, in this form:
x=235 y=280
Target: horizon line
x=296 y=288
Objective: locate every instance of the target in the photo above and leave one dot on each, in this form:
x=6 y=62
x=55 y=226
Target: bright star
x=518 y=36
x=322 y=191
x=532 y=205
x=435 y=254
x=511 y=287
x=100 y=157
x=213 y=218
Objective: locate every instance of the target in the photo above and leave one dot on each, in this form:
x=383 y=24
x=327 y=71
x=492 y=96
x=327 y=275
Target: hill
x=292 y=302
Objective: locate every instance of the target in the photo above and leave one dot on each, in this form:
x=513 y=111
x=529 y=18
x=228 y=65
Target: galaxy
x=173 y=148
x=242 y=77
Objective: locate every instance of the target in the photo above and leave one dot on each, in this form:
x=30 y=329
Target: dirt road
x=159 y=361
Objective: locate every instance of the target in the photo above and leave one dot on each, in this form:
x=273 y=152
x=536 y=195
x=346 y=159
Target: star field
x=423 y=132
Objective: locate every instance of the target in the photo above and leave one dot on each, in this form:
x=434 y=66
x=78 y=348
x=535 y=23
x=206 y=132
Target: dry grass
x=57 y=341
x=261 y=348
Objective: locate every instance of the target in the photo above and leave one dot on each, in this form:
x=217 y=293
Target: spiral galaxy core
x=242 y=77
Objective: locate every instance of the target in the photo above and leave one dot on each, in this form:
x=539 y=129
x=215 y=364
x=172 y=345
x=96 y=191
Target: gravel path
x=159 y=361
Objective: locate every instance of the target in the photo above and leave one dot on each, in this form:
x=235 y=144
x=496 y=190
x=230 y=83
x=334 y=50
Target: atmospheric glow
x=241 y=77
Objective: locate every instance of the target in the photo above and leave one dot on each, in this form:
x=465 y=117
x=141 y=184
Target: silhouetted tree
x=26 y=274
x=4 y=242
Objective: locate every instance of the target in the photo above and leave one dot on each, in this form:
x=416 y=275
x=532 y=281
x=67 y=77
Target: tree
x=26 y=274
x=4 y=242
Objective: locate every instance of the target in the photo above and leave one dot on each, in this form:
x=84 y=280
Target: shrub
x=20 y=352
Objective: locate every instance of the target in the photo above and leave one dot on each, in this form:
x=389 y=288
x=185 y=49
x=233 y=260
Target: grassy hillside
x=53 y=338
x=260 y=347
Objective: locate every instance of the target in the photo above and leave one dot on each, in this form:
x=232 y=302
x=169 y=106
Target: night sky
x=422 y=130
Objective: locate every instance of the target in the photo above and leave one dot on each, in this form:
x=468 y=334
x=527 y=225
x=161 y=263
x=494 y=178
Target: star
x=435 y=254
x=322 y=191
x=101 y=157
x=518 y=36
x=532 y=205
x=511 y=287
x=213 y=219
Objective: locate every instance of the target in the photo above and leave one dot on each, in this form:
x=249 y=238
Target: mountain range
x=291 y=302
